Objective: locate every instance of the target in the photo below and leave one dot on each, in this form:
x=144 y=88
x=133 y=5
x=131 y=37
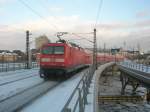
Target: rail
x=136 y=66
x=78 y=98
x=17 y=101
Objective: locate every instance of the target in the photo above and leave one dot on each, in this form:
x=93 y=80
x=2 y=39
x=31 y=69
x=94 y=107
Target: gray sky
x=119 y=22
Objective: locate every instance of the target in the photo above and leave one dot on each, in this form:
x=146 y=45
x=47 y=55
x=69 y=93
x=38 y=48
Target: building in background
x=8 y=57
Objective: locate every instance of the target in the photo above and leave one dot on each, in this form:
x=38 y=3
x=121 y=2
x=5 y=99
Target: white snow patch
x=18 y=86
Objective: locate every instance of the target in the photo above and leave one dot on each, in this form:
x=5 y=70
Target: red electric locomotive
x=62 y=58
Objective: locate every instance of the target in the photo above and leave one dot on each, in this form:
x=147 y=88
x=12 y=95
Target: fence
x=78 y=99
x=136 y=66
x=7 y=66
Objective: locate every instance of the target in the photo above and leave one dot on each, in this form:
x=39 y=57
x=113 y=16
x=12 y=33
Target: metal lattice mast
x=27 y=49
x=28 y=53
x=94 y=51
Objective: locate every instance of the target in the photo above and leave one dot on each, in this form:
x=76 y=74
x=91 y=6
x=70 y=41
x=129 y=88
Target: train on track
x=63 y=58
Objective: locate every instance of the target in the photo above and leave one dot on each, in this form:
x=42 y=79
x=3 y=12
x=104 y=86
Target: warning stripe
x=120 y=98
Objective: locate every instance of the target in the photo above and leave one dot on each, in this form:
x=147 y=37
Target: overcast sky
x=121 y=23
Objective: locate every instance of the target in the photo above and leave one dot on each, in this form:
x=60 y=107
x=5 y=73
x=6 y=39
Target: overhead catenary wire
x=38 y=14
x=76 y=42
x=82 y=37
x=76 y=39
x=42 y=17
x=98 y=13
x=44 y=6
x=82 y=33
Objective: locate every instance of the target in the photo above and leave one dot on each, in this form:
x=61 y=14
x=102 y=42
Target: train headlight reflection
x=45 y=60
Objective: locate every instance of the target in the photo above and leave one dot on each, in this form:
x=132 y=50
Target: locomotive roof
x=55 y=43
x=69 y=44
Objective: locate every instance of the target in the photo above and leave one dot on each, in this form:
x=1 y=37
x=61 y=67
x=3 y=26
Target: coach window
x=59 y=50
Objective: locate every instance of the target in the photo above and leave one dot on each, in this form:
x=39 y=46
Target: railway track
x=16 y=79
x=1 y=100
x=9 y=73
x=20 y=99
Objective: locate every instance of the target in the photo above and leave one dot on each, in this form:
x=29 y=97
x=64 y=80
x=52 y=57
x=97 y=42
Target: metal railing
x=136 y=66
x=78 y=98
x=5 y=67
x=96 y=83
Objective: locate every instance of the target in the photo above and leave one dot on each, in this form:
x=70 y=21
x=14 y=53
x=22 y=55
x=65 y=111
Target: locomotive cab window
x=53 y=50
x=59 y=50
x=47 y=50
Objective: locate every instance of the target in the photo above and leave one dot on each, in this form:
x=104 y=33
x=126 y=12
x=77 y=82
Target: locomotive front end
x=52 y=61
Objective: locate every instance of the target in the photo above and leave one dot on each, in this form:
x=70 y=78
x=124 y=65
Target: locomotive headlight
x=59 y=60
x=45 y=59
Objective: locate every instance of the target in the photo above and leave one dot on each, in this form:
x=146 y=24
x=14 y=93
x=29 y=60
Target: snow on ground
x=18 y=86
x=90 y=97
x=54 y=100
x=17 y=71
x=17 y=76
